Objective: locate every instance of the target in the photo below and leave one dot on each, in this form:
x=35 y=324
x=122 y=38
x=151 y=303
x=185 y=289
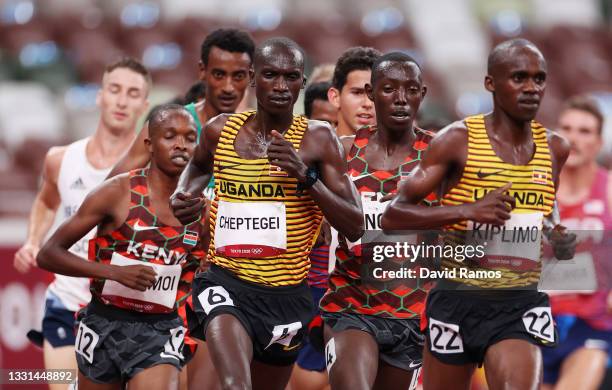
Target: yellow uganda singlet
x=514 y=249
x=260 y=230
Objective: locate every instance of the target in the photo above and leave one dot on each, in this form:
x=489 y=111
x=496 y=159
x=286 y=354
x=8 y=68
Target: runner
x=225 y=62
x=131 y=326
x=476 y=161
x=317 y=105
x=347 y=94
x=225 y=65
x=372 y=328
x=585 y=207
x=69 y=173
x=277 y=176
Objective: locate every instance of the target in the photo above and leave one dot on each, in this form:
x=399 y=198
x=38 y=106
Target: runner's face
x=226 y=77
x=356 y=109
x=322 y=110
x=397 y=94
x=581 y=130
x=172 y=144
x=278 y=79
x=122 y=99
x=519 y=82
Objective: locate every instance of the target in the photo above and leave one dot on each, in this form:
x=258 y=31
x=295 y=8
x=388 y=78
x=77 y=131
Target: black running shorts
x=276 y=318
x=112 y=345
x=461 y=325
x=400 y=341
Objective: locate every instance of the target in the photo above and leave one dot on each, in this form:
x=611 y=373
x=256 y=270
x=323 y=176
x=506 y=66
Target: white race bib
x=86 y=341
x=373 y=210
x=539 y=322
x=515 y=245
x=162 y=293
x=251 y=229
x=444 y=337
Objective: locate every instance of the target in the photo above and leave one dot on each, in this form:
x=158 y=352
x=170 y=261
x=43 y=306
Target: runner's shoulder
x=450 y=137
x=559 y=145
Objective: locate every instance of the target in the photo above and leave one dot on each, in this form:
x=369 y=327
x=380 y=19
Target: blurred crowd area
x=53 y=52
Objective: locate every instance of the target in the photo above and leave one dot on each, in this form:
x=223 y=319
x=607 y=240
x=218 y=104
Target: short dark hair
x=230 y=39
x=131 y=64
x=587 y=104
x=158 y=114
x=315 y=91
x=355 y=58
x=394 y=56
x=196 y=92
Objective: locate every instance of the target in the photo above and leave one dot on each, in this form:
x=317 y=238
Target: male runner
x=131 y=332
x=347 y=94
x=277 y=175
x=309 y=371
x=69 y=173
x=225 y=60
x=317 y=105
x=585 y=207
x=372 y=328
x=225 y=63
x=475 y=162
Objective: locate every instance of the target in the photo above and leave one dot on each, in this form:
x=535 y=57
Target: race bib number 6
x=213 y=297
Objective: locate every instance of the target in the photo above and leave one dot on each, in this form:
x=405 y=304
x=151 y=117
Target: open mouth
x=227 y=100
x=400 y=115
x=364 y=119
x=179 y=159
x=280 y=99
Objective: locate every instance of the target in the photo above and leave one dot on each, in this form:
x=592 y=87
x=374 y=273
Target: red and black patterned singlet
x=143 y=238
x=348 y=292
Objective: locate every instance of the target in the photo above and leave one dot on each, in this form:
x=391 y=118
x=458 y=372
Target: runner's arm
x=443 y=155
x=187 y=200
x=334 y=193
x=97 y=208
x=43 y=211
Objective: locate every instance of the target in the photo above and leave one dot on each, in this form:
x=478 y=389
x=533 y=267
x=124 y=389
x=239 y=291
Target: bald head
x=160 y=115
x=273 y=46
x=507 y=50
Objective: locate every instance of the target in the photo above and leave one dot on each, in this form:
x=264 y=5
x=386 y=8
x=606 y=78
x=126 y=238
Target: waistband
x=463 y=290
x=227 y=277
x=118 y=314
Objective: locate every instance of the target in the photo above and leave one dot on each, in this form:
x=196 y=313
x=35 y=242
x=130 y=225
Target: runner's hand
x=282 y=154
x=139 y=277
x=494 y=208
x=186 y=207
x=25 y=258
x=562 y=242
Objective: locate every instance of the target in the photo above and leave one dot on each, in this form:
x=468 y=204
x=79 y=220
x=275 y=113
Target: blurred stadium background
x=53 y=52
